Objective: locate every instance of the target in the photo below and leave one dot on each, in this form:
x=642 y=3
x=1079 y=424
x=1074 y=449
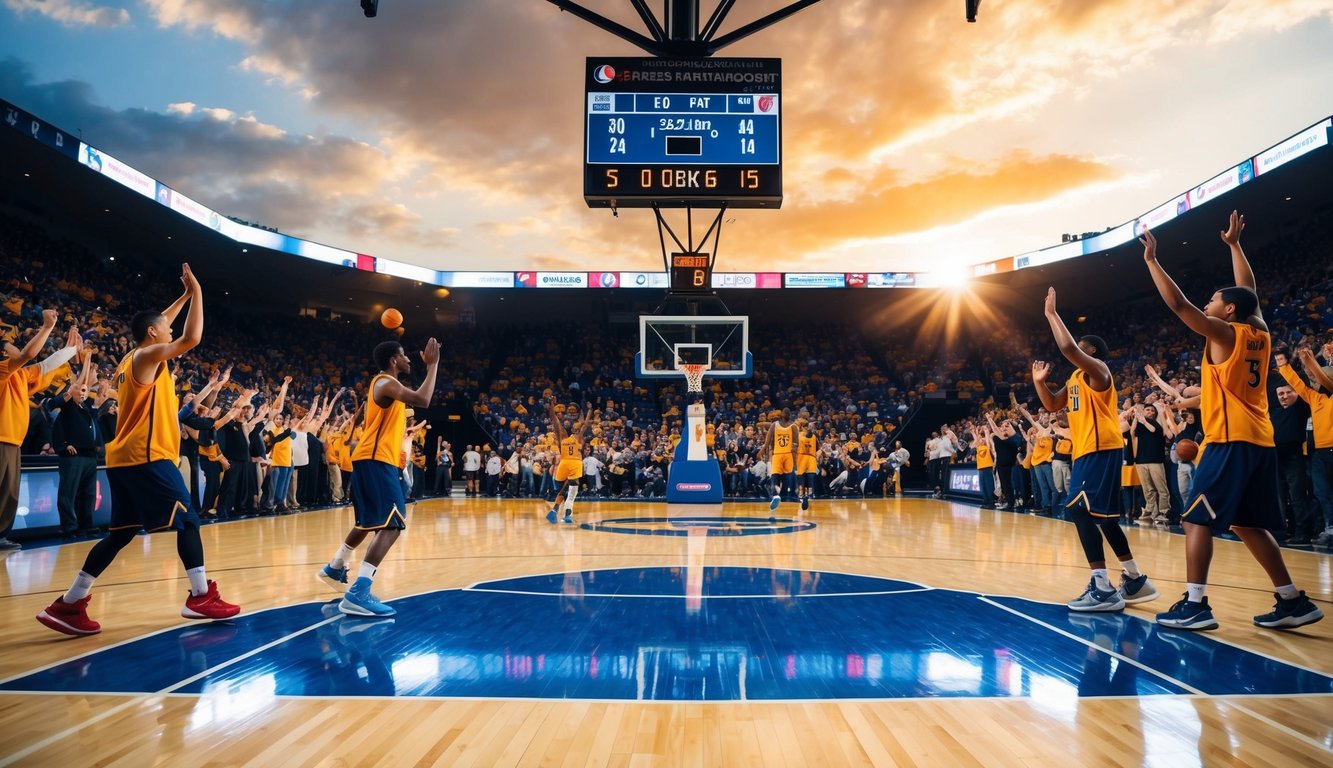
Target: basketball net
x=694 y=376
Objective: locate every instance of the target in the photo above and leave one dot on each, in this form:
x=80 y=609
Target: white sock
x=83 y=584
x=1131 y=568
x=1102 y=579
x=366 y=571
x=342 y=556
x=569 y=498
x=198 y=581
x=1196 y=592
x=1288 y=592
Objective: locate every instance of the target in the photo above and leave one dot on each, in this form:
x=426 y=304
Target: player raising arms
x=147 y=491
x=377 y=490
x=1094 y=486
x=569 y=471
x=1236 y=482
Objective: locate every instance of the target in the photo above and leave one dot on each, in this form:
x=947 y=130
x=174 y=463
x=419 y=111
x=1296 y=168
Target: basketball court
x=883 y=632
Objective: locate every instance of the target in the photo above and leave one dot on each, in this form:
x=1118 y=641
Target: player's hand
x=226 y=375
x=1040 y=370
x=1236 y=225
x=431 y=354
x=1050 y=301
x=73 y=339
x=48 y=318
x=188 y=279
x=1149 y=246
x=1306 y=356
x=71 y=450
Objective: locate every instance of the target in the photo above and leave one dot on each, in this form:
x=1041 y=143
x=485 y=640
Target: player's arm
x=1312 y=369
x=767 y=445
x=1216 y=330
x=1162 y=384
x=1167 y=423
x=1294 y=381
x=1240 y=266
x=390 y=389
x=1096 y=372
x=147 y=359
x=1050 y=400
x=35 y=344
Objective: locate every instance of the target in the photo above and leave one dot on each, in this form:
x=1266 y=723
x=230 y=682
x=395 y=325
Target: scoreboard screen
x=677 y=132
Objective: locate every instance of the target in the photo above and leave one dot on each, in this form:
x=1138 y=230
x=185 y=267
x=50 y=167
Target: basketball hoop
x=694 y=376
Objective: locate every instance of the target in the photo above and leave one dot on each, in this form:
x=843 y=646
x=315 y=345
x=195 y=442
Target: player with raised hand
x=1094 y=484
x=147 y=491
x=1236 y=482
x=377 y=491
x=569 y=470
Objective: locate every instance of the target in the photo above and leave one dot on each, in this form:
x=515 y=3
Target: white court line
x=49 y=740
x=705 y=597
x=1261 y=718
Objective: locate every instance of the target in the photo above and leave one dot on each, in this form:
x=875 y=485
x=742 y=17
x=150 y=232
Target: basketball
x=1186 y=450
x=391 y=318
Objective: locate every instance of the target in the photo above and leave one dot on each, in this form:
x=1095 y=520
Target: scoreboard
x=683 y=132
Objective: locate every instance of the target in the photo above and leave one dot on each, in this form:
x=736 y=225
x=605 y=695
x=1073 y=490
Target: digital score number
x=691 y=272
x=678 y=132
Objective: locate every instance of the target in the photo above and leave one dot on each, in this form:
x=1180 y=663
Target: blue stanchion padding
x=693 y=482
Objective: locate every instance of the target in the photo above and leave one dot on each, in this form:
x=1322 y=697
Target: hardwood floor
x=226 y=710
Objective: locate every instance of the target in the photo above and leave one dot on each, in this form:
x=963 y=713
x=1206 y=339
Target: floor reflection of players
x=350 y=661
x=1120 y=634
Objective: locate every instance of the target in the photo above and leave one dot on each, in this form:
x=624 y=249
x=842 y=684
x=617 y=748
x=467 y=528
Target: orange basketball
x=1186 y=450
x=391 y=318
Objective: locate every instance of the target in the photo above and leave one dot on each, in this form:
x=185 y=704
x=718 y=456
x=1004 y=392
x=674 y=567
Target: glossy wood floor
x=452 y=543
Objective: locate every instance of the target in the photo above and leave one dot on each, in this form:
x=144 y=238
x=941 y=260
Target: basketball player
x=807 y=447
x=569 y=438
x=780 y=444
x=1236 y=482
x=377 y=490
x=147 y=491
x=1094 y=486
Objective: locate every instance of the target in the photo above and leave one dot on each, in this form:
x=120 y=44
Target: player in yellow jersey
x=1236 y=482
x=1094 y=486
x=377 y=489
x=147 y=492
x=569 y=469
x=780 y=447
x=807 y=448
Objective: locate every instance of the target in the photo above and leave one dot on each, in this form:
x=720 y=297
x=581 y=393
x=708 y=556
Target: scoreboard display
x=691 y=272
x=683 y=132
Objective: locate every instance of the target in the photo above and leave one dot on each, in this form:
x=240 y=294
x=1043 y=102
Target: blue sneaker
x=1094 y=599
x=775 y=503
x=569 y=516
x=1296 y=612
x=336 y=578
x=1187 y=615
x=359 y=602
x=550 y=516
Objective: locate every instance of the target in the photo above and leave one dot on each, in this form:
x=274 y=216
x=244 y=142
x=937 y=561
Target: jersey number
x=1254 y=373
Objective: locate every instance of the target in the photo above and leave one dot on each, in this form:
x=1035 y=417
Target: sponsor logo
x=737 y=280
x=766 y=103
x=604 y=73
x=694 y=486
x=608 y=280
x=527 y=279
x=856 y=280
x=640 y=279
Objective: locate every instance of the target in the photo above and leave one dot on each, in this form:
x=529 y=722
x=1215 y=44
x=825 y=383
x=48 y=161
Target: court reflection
x=690 y=633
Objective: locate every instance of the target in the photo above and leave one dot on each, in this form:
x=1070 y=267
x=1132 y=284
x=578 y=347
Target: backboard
x=719 y=342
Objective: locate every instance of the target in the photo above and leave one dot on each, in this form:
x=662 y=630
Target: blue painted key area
x=711 y=634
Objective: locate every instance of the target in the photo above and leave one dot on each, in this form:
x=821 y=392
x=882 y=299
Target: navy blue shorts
x=1094 y=483
x=1235 y=484
x=377 y=495
x=151 y=496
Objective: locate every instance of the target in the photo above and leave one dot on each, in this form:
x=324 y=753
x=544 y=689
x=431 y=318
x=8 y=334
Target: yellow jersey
x=1042 y=450
x=806 y=446
x=783 y=439
x=280 y=455
x=1093 y=422
x=984 y=458
x=570 y=449
x=146 y=427
x=384 y=429
x=1234 y=393
x=16 y=386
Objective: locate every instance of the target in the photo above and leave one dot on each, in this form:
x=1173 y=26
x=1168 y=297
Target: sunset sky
x=448 y=133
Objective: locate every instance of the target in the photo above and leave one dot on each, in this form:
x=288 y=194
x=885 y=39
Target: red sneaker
x=70 y=618
x=209 y=605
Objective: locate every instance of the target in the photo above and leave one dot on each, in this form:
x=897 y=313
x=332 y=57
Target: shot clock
x=691 y=272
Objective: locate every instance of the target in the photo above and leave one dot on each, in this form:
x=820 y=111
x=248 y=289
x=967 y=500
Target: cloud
x=71 y=13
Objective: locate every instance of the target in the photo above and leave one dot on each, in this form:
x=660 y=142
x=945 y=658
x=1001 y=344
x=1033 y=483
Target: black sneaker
x=7 y=544
x=1287 y=614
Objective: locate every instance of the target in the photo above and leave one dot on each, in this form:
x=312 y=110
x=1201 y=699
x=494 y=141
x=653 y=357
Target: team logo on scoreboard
x=766 y=103
x=604 y=73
